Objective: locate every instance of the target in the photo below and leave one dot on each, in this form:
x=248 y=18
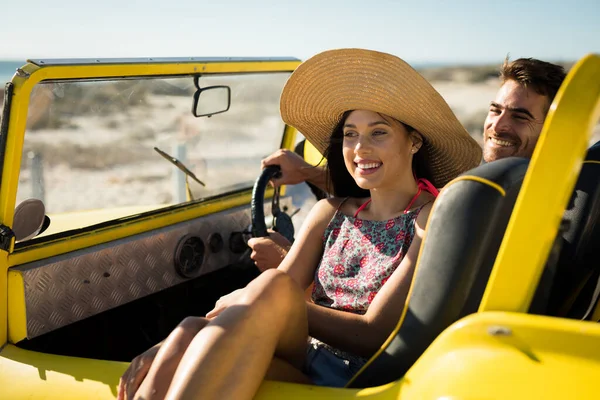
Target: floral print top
x=359 y=256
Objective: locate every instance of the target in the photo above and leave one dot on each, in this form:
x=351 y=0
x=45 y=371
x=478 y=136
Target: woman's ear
x=417 y=141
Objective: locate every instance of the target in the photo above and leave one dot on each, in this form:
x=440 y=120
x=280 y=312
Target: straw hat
x=325 y=86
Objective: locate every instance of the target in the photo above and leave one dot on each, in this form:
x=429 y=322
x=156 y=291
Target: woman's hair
x=341 y=180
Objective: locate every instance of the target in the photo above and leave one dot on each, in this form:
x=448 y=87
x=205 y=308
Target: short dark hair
x=341 y=180
x=542 y=77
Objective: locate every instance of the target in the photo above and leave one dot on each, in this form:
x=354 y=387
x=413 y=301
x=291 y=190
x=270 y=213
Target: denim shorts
x=325 y=368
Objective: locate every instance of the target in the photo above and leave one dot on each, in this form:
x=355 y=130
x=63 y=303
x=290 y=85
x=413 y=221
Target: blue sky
x=420 y=31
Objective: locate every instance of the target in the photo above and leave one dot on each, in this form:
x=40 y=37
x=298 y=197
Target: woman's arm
x=306 y=252
x=304 y=255
x=268 y=251
x=364 y=334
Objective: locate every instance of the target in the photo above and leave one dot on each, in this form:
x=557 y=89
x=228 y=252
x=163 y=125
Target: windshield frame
x=37 y=71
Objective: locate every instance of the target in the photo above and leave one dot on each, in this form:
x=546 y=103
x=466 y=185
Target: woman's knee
x=276 y=282
x=190 y=326
x=276 y=285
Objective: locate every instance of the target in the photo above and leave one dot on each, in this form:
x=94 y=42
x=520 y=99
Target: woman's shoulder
x=325 y=208
x=345 y=205
x=423 y=211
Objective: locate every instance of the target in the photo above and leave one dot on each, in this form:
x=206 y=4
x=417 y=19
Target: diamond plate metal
x=67 y=288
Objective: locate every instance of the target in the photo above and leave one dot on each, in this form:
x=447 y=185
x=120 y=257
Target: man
x=516 y=117
x=511 y=129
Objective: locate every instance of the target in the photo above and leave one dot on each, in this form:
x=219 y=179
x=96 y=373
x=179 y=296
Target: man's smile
x=501 y=142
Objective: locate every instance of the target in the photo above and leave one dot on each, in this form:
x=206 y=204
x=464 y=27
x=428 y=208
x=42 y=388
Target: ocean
x=7 y=70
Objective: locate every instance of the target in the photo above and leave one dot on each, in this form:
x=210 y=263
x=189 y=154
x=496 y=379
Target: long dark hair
x=341 y=180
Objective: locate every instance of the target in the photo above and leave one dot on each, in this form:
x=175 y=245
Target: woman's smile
x=372 y=141
x=367 y=167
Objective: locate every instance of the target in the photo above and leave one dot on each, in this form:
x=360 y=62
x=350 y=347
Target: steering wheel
x=282 y=222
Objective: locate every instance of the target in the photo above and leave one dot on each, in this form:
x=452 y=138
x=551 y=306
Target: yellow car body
x=497 y=353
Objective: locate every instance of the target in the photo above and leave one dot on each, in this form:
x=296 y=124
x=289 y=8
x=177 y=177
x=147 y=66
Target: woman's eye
x=349 y=134
x=378 y=133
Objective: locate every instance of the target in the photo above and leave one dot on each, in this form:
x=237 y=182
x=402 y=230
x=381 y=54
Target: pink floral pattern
x=359 y=256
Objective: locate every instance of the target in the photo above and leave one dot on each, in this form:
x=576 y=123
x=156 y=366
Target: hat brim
x=325 y=86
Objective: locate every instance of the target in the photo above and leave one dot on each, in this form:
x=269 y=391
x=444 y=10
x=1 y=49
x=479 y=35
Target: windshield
x=89 y=146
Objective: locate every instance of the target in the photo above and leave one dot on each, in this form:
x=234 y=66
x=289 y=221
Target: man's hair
x=542 y=77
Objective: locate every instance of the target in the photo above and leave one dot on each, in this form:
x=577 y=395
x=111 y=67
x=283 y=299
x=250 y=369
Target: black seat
x=578 y=264
x=464 y=233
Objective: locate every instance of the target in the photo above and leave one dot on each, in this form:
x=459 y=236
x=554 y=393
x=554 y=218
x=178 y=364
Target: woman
x=380 y=124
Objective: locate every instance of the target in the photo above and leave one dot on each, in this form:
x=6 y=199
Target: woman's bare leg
x=282 y=371
x=229 y=358
x=157 y=381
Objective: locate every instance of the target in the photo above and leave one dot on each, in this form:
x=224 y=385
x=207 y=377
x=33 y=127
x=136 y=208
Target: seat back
x=463 y=235
x=578 y=264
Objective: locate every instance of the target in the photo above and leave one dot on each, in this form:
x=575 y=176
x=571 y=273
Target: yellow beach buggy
x=128 y=189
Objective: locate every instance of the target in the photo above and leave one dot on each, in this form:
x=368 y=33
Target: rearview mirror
x=211 y=100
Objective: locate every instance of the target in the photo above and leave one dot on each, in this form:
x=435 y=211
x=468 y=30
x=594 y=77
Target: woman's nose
x=362 y=144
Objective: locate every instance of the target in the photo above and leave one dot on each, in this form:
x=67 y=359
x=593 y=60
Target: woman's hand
x=224 y=302
x=268 y=252
x=135 y=373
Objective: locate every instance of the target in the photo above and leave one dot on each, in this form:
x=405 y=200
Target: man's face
x=514 y=122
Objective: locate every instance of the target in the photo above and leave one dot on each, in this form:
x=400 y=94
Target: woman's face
x=377 y=150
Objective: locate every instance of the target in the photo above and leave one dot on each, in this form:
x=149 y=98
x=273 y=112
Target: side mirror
x=30 y=219
x=211 y=100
